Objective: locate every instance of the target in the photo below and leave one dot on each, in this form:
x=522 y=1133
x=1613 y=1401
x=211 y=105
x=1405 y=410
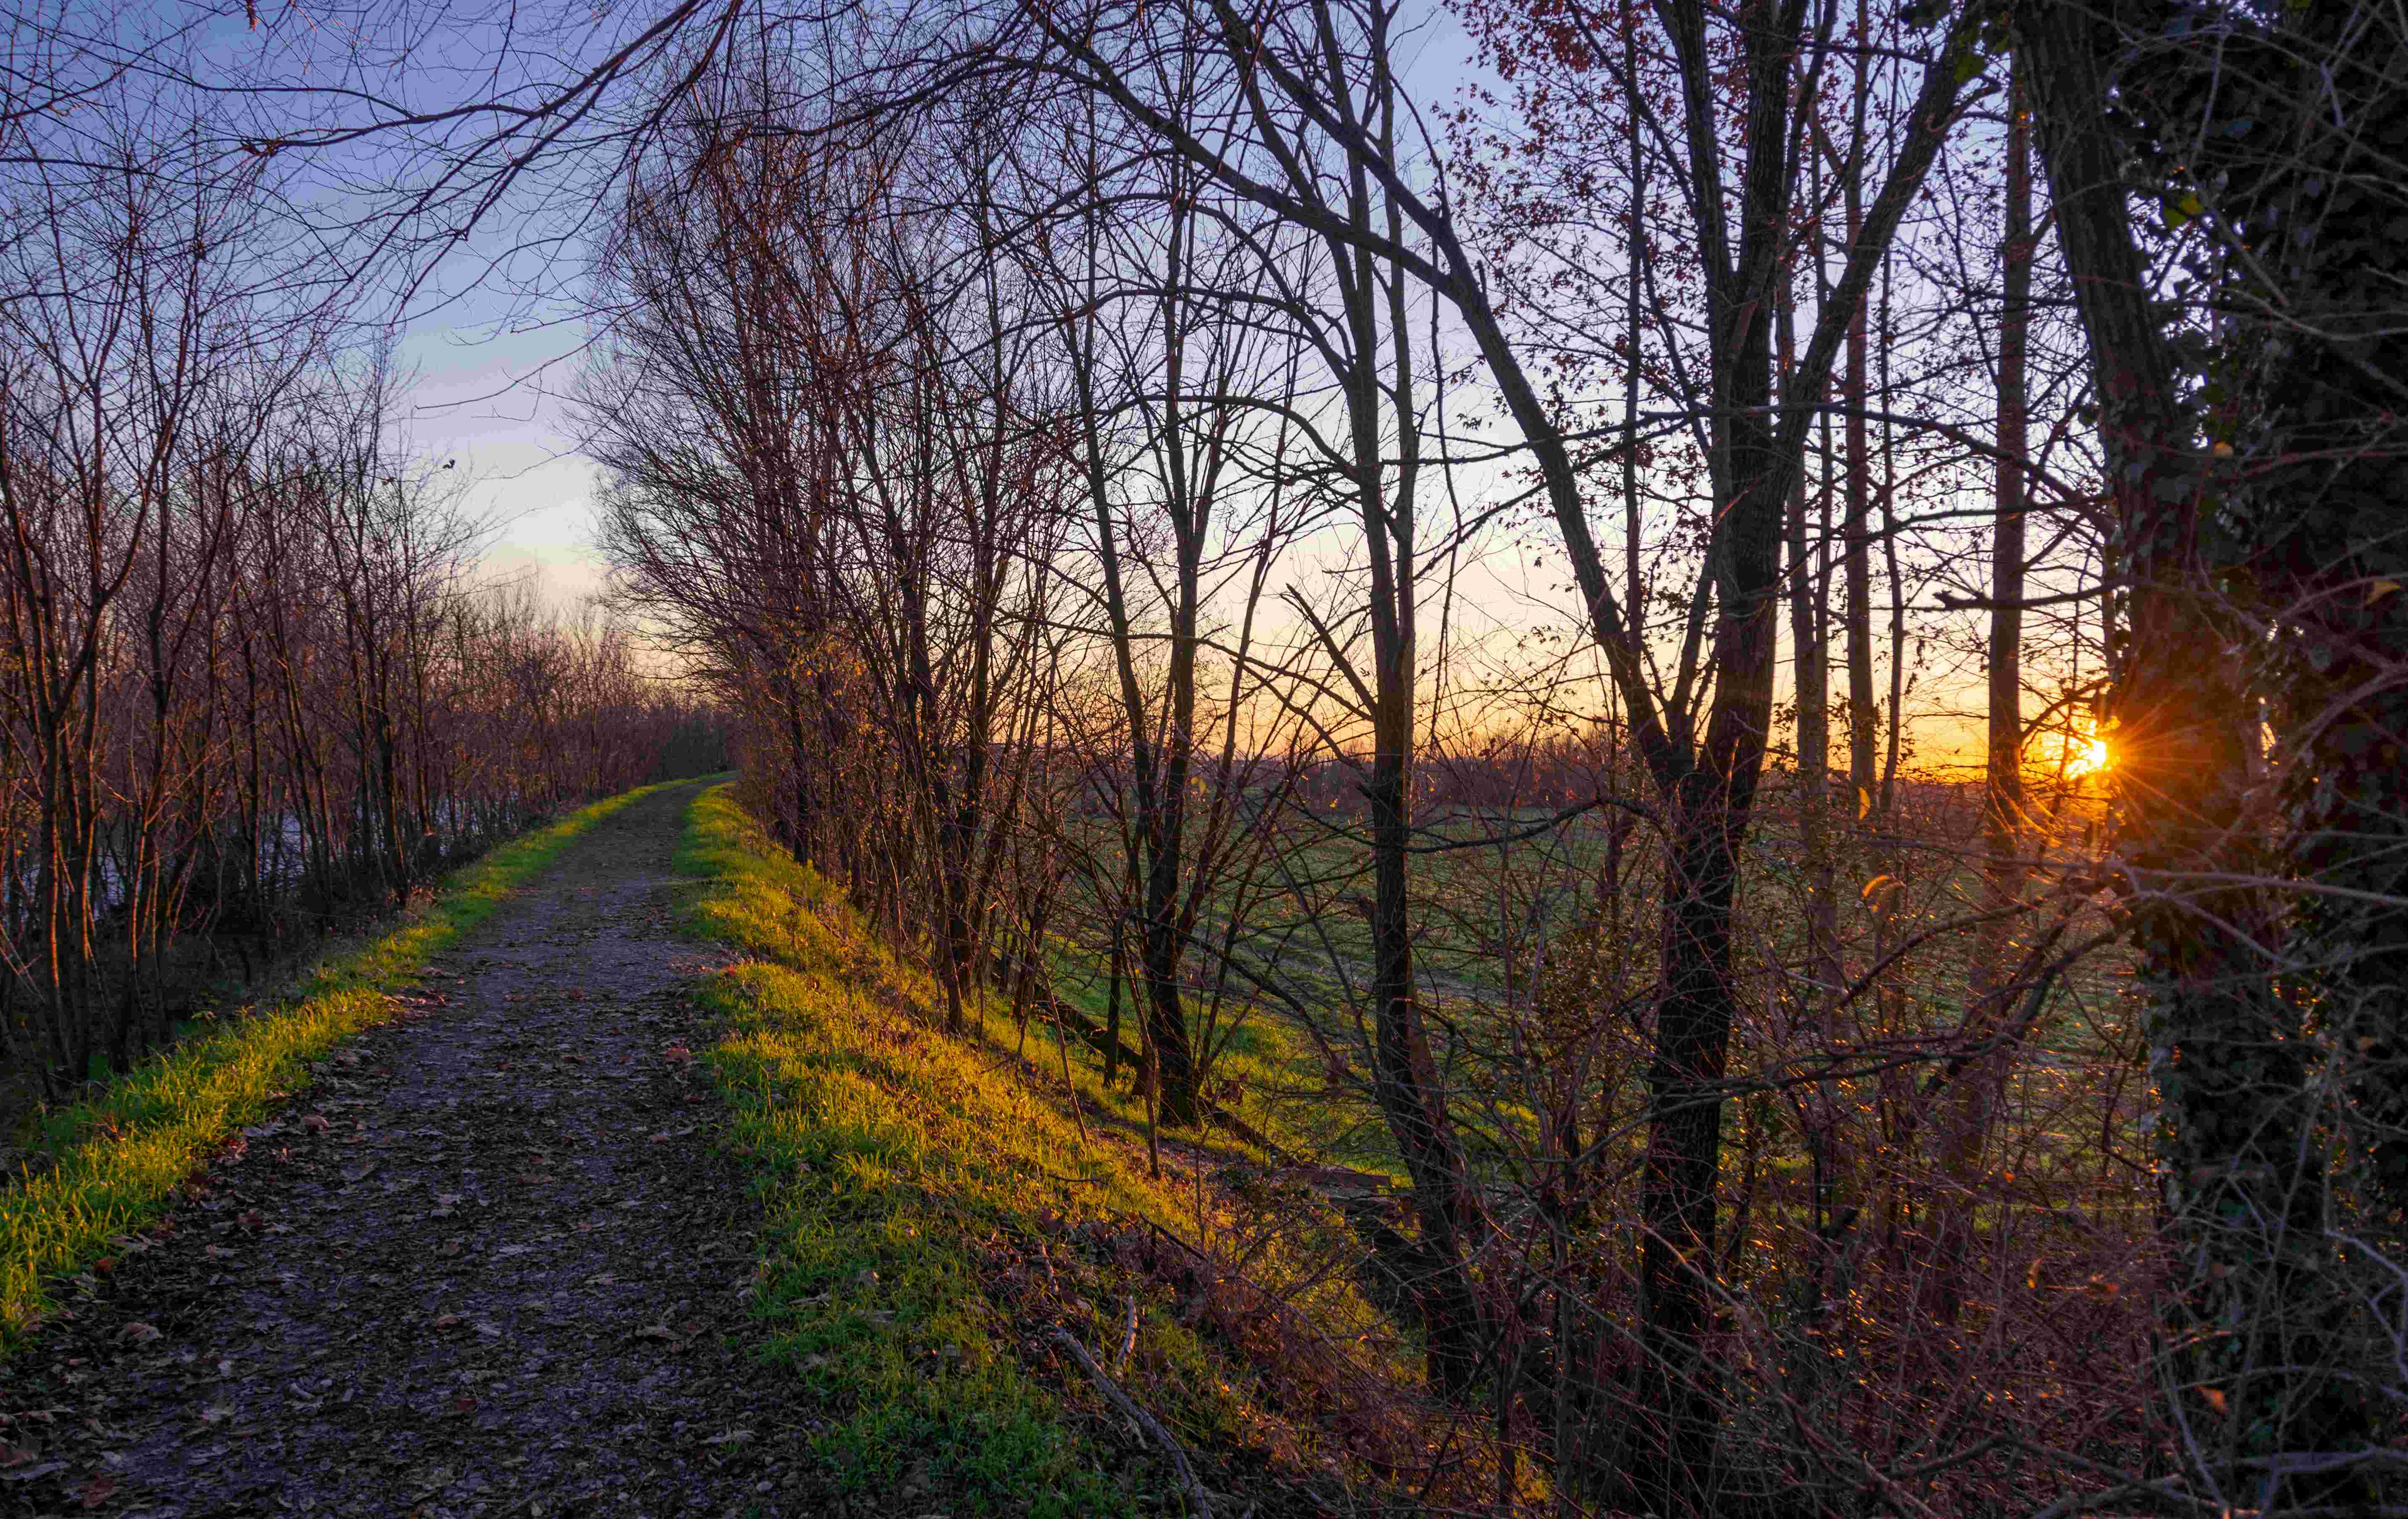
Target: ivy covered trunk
x=2313 y=116
x=2249 y=534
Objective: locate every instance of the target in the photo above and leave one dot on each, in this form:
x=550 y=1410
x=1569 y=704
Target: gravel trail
x=491 y=1264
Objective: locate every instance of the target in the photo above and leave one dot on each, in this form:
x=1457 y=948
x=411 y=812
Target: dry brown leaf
x=137 y=1333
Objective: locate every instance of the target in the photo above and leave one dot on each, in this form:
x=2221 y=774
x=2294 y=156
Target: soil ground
x=491 y=1264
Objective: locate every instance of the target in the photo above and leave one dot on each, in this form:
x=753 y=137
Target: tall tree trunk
x=2243 y=1186
x=1856 y=573
x=1971 y=1101
x=1673 y=1473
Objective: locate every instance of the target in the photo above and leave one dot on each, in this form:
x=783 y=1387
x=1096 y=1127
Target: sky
x=492 y=402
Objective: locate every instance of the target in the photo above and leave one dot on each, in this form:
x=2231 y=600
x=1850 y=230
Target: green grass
x=121 y=1153
x=907 y=1178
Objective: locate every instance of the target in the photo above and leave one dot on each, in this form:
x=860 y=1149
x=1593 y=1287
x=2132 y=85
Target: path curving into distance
x=490 y=1264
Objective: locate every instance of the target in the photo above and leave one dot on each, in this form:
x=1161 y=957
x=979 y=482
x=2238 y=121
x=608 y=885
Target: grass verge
x=938 y=1212
x=121 y=1152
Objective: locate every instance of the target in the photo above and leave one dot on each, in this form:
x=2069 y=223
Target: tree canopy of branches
x=1757 y=648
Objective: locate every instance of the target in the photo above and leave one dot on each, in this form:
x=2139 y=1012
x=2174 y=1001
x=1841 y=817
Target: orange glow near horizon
x=2089 y=758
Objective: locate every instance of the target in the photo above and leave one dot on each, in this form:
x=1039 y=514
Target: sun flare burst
x=2090 y=756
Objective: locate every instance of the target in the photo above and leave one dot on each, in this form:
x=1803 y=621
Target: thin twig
x=1128 y=1338
x=1145 y=1422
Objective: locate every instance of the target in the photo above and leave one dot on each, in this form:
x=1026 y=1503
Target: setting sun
x=2089 y=758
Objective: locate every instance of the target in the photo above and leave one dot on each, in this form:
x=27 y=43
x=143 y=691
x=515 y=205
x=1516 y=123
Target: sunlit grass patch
x=935 y=1212
x=121 y=1152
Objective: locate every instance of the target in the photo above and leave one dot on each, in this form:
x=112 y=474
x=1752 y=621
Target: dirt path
x=490 y=1264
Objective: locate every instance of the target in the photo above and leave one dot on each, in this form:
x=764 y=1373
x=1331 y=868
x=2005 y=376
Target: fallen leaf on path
x=315 y=1123
x=97 y=1491
x=655 y=1331
x=464 y=1404
x=446 y=1321
x=136 y=1333
x=11 y=1457
x=676 y=1054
